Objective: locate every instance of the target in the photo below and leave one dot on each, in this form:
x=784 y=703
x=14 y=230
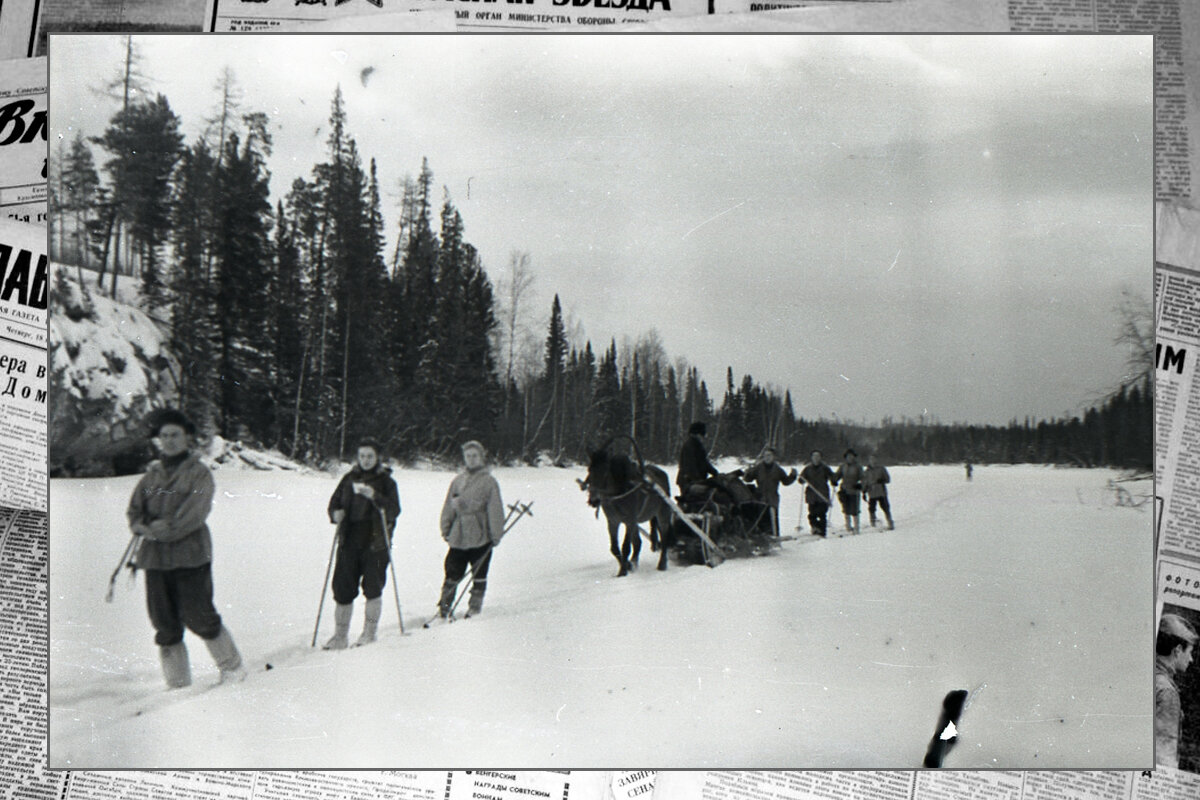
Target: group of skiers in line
x=172 y=545
x=854 y=481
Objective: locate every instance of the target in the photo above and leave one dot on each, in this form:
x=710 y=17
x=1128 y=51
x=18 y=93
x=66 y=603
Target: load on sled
x=731 y=512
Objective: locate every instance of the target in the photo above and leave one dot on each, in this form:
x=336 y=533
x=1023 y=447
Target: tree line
x=292 y=328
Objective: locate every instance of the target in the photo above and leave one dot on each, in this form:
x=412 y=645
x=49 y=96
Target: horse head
x=599 y=477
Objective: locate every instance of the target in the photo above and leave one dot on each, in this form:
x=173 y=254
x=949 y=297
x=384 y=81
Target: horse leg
x=633 y=538
x=659 y=532
x=616 y=550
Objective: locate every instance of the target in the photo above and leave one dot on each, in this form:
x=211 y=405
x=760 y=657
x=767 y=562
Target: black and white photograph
x=537 y=402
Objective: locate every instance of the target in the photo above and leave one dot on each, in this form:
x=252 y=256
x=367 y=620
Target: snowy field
x=1028 y=587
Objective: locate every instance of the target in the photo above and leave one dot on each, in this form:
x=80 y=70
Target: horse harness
x=639 y=485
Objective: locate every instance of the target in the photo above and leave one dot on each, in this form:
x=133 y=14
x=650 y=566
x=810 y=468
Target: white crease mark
x=894 y=261
x=715 y=216
x=905 y=666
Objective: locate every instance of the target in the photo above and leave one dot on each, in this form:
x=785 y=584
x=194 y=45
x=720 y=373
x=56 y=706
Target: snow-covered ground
x=1027 y=586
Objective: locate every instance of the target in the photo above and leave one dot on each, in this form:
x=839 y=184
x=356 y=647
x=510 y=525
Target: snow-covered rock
x=109 y=368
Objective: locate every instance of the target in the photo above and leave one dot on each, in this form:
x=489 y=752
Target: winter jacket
x=1168 y=715
x=818 y=476
x=473 y=514
x=173 y=501
x=875 y=481
x=850 y=476
x=360 y=527
x=694 y=465
x=769 y=477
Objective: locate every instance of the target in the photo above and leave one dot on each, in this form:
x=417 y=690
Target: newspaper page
x=23 y=271
x=1177 y=399
x=23 y=645
x=334 y=785
x=18 y=28
x=23 y=140
x=1177 y=527
x=383 y=15
x=133 y=16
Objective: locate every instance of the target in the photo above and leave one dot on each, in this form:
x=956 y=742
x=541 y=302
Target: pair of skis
x=515 y=512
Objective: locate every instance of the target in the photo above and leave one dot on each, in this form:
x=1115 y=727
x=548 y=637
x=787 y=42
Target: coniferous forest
x=296 y=327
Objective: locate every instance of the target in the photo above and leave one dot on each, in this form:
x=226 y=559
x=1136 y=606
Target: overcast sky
x=891 y=225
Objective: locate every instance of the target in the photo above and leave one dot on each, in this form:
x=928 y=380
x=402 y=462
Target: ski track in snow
x=829 y=655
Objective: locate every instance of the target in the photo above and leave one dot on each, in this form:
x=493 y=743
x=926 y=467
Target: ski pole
x=108 y=597
x=325 y=586
x=391 y=566
x=820 y=494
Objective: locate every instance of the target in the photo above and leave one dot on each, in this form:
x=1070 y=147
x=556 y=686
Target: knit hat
x=475 y=445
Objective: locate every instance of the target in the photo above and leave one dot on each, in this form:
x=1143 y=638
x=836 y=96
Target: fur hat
x=698 y=429
x=171 y=416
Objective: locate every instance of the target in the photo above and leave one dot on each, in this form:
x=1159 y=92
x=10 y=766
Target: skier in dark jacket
x=364 y=506
x=168 y=512
x=816 y=476
x=850 y=475
x=694 y=466
x=875 y=481
x=770 y=476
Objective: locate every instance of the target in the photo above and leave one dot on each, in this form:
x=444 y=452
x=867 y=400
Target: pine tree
x=145 y=142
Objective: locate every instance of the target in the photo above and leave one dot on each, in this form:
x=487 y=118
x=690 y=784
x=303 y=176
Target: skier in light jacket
x=168 y=511
x=875 y=481
x=472 y=524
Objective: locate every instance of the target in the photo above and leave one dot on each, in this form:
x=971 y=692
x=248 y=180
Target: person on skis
x=364 y=506
x=167 y=512
x=472 y=524
x=816 y=477
x=769 y=476
x=875 y=481
x=850 y=476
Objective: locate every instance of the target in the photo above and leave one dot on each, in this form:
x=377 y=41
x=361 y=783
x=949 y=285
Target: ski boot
x=341 y=632
x=371 y=614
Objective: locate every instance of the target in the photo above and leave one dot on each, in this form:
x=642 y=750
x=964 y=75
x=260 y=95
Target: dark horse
x=617 y=486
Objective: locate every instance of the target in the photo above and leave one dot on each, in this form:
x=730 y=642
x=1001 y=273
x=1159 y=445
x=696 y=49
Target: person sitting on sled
x=472 y=524
x=694 y=466
x=364 y=506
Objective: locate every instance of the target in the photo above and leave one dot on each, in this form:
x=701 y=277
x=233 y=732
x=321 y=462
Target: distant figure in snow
x=770 y=476
x=167 y=511
x=472 y=524
x=694 y=466
x=850 y=475
x=875 y=481
x=969 y=469
x=816 y=476
x=364 y=506
x=1173 y=655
